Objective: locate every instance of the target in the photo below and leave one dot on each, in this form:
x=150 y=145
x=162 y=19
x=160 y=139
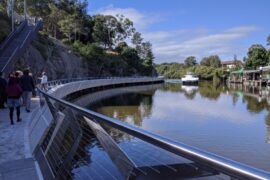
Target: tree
x=109 y=31
x=120 y=47
x=137 y=39
x=190 y=61
x=212 y=61
x=268 y=40
x=256 y=56
x=67 y=26
x=125 y=28
x=100 y=31
x=112 y=27
x=53 y=18
x=130 y=55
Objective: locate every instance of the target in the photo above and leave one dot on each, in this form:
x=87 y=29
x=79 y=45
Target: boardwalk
x=15 y=157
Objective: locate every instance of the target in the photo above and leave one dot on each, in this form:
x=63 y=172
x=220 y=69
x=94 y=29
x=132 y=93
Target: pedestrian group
x=17 y=90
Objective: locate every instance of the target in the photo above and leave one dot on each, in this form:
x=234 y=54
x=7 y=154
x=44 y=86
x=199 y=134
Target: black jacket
x=3 y=85
x=27 y=83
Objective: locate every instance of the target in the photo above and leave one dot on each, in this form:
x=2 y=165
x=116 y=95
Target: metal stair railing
x=19 y=51
x=204 y=158
x=12 y=35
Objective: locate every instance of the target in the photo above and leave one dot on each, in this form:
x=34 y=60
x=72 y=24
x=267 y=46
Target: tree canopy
x=212 y=61
x=98 y=38
x=257 y=56
x=190 y=61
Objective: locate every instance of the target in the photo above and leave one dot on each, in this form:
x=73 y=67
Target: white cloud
x=176 y=45
x=140 y=20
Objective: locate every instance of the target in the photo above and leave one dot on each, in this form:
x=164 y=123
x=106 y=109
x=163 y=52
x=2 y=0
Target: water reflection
x=233 y=121
x=134 y=107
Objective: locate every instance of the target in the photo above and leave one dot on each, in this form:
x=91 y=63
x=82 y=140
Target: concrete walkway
x=15 y=157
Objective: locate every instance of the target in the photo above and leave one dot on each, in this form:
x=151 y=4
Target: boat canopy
x=240 y=71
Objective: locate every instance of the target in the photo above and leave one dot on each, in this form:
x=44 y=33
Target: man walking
x=27 y=84
x=3 y=96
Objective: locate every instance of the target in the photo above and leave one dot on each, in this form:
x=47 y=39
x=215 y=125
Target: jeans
x=27 y=99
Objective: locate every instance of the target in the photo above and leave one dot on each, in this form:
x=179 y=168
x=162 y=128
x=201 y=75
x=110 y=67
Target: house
x=111 y=52
x=231 y=64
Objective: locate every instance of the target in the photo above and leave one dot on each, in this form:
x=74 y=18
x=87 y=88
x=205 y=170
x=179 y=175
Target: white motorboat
x=189 y=89
x=190 y=78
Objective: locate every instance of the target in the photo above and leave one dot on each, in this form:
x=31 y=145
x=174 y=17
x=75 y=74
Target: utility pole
x=12 y=14
x=25 y=9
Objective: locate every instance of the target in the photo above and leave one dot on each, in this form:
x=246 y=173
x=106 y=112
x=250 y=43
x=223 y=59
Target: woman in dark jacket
x=14 y=92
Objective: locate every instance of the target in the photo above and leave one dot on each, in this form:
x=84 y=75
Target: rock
x=60 y=63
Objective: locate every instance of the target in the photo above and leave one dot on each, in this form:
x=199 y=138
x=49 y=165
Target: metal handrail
x=207 y=159
x=20 y=49
x=10 y=58
x=11 y=35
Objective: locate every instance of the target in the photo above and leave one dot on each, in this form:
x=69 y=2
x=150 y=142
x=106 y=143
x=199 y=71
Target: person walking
x=3 y=96
x=14 y=92
x=43 y=81
x=27 y=84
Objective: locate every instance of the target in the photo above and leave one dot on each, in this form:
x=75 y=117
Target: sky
x=181 y=28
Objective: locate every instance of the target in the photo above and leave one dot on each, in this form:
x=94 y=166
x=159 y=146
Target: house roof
x=231 y=62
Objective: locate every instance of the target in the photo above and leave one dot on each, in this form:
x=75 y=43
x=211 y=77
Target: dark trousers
x=3 y=99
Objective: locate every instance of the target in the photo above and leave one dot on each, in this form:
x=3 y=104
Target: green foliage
x=212 y=61
x=108 y=30
x=67 y=25
x=100 y=39
x=137 y=39
x=257 y=56
x=268 y=40
x=176 y=71
x=190 y=61
x=130 y=55
x=89 y=51
x=171 y=70
x=120 y=47
x=5 y=27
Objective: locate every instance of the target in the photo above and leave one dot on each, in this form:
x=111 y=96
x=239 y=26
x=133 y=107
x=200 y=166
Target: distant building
x=231 y=64
x=111 y=52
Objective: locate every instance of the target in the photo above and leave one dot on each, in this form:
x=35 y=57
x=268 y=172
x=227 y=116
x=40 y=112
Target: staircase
x=16 y=43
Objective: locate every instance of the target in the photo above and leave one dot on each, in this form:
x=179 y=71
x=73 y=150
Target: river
x=233 y=122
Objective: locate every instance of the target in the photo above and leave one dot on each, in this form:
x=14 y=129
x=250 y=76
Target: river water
x=233 y=122
x=230 y=121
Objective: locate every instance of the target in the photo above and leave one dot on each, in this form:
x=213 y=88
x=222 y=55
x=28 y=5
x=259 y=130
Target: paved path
x=14 y=146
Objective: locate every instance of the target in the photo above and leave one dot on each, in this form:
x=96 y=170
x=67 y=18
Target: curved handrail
x=221 y=164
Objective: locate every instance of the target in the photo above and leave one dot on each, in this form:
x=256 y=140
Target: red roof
x=231 y=62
